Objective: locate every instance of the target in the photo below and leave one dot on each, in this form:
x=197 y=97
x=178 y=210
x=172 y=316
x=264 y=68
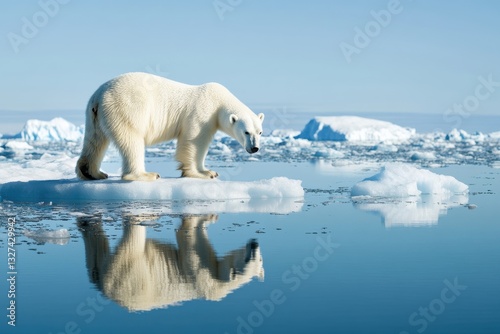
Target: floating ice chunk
x=356 y=129
x=423 y=156
x=494 y=135
x=220 y=148
x=284 y=133
x=58 y=237
x=399 y=180
x=457 y=135
x=433 y=195
x=54 y=130
x=385 y=148
x=15 y=145
x=329 y=153
x=51 y=178
x=462 y=136
x=258 y=195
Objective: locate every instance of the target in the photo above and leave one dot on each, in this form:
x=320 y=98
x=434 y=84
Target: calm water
x=332 y=267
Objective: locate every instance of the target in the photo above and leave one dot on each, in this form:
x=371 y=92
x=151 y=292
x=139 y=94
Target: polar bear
x=138 y=109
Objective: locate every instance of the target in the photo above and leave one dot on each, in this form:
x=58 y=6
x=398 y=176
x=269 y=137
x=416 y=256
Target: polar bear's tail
x=95 y=143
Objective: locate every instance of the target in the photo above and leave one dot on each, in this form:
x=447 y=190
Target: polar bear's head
x=247 y=130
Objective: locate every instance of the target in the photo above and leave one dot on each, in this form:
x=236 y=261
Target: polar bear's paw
x=151 y=176
x=101 y=176
x=210 y=174
x=206 y=174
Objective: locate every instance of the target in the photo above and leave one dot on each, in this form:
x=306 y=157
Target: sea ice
x=162 y=189
x=402 y=180
x=404 y=195
x=15 y=145
x=55 y=130
x=354 y=129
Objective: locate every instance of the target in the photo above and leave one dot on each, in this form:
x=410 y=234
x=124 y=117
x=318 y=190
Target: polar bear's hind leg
x=94 y=147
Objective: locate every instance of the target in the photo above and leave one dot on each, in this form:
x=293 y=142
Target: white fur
x=139 y=109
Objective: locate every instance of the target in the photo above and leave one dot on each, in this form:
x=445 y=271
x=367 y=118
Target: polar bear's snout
x=252 y=146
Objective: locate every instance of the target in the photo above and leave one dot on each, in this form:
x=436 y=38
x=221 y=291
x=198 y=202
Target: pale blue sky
x=280 y=53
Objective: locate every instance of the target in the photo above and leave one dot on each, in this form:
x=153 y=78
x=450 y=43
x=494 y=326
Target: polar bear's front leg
x=191 y=156
x=133 y=167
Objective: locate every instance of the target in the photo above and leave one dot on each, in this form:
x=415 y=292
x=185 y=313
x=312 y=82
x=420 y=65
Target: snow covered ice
x=54 y=130
x=398 y=180
x=352 y=128
x=277 y=195
x=423 y=195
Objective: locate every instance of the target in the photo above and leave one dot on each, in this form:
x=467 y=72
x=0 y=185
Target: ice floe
x=401 y=180
x=407 y=196
x=51 y=179
x=352 y=128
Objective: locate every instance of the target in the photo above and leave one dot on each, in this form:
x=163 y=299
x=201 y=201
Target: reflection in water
x=56 y=237
x=143 y=274
x=419 y=211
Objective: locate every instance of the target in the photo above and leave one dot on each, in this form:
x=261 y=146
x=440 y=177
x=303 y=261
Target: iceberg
x=404 y=195
x=14 y=145
x=401 y=180
x=354 y=129
x=58 y=129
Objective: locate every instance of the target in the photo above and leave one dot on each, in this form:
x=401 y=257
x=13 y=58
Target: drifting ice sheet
x=398 y=180
x=352 y=128
x=274 y=195
x=406 y=196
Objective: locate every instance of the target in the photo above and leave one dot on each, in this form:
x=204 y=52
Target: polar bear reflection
x=143 y=274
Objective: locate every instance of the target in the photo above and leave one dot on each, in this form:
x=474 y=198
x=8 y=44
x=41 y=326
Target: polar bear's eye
x=260 y=133
x=247 y=133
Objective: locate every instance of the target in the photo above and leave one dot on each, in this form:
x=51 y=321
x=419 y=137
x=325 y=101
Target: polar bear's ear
x=261 y=117
x=233 y=118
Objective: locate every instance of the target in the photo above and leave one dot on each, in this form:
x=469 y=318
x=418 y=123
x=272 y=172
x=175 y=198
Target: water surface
x=335 y=266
